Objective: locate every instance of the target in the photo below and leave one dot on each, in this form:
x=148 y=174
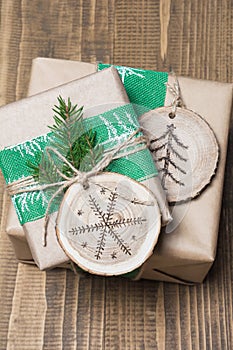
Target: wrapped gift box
x=99 y=93
x=188 y=251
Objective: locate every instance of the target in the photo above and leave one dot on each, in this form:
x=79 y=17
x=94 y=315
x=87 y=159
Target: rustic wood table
x=56 y=309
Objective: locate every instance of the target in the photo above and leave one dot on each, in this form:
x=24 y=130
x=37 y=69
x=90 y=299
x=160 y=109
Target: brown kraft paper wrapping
x=187 y=253
x=93 y=92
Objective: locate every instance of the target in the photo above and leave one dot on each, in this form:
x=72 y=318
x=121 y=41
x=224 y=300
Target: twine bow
x=29 y=185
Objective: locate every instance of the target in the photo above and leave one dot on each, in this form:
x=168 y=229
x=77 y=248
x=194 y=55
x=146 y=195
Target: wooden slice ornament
x=184 y=148
x=111 y=227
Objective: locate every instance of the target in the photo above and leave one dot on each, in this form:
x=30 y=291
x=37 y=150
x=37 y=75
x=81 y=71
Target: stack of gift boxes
x=186 y=247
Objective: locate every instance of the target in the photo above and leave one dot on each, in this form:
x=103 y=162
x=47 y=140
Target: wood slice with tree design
x=111 y=227
x=185 y=151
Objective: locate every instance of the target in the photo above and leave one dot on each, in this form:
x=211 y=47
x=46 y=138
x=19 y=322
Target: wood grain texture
x=26 y=325
x=57 y=310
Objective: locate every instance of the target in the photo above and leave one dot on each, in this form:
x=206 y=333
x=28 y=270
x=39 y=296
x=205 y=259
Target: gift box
x=92 y=92
x=188 y=251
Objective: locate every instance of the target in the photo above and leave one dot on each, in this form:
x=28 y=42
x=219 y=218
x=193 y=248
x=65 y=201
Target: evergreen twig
x=71 y=140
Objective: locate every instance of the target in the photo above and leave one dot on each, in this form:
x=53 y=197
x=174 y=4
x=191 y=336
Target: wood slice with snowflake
x=185 y=151
x=111 y=227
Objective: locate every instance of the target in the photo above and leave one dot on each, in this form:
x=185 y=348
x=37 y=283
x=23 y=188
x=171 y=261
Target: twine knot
x=177 y=99
x=83 y=180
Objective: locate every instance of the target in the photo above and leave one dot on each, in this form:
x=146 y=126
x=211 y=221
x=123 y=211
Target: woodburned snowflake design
x=107 y=225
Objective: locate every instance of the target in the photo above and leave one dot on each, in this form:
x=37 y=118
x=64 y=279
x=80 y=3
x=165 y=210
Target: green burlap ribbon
x=146 y=89
x=111 y=128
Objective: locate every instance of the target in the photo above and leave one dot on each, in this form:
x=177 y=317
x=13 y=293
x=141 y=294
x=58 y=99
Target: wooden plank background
x=57 y=310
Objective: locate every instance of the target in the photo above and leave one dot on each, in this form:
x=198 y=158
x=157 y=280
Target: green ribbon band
x=111 y=128
x=146 y=89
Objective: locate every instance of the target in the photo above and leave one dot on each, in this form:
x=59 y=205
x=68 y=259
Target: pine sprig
x=71 y=140
x=43 y=171
x=67 y=129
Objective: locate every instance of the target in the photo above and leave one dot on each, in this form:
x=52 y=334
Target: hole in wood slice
x=171 y=115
